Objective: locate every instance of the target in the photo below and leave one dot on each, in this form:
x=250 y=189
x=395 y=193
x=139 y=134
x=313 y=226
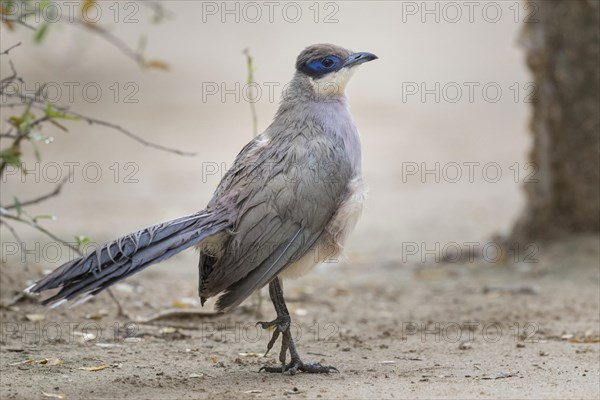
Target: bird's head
x=327 y=68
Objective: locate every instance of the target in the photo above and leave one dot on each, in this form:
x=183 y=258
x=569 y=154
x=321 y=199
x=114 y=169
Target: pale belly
x=330 y=248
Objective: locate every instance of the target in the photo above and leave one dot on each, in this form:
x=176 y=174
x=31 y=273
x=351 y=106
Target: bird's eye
x=322 y=66
x=328 y=63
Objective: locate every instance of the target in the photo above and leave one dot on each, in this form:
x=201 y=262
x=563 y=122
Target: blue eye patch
x=322 y=66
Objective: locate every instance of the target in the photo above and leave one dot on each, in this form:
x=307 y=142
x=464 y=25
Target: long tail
x=94 y=272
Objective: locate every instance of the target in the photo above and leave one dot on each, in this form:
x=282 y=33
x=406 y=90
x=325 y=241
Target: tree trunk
x=563 y=46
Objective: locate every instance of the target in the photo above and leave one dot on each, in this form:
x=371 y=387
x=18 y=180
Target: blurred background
x=481 y=149
x=442 y=94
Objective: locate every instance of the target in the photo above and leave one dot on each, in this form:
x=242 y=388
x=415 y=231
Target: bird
x=288 y=203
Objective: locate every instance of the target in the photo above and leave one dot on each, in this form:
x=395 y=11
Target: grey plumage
x=292 y=194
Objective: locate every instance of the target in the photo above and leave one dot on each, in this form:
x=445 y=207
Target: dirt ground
x=393 y=328
x=437 y=330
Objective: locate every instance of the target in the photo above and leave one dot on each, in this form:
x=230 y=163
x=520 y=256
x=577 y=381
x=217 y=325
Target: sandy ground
x=441 y=330
x=351 y=315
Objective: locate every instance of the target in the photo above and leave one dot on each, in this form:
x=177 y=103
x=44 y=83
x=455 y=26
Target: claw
x=297 y=365
x=282 y=324
x=272 y=342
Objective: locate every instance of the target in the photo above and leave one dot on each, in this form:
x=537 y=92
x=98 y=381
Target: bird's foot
x=297 y=365
x=281 y=325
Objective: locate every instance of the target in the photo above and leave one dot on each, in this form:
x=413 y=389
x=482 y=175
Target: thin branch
x=120 y=310
x=250 y=80
x=10 y=48
x=47 y=196
x=112 y=39
x=158 y=8
x=176 y=313
x=12 y=231
x=9 y=79
x=18 y=19
x=40 y=228
x=131 y=135
x=25 y=133
x=37 y=105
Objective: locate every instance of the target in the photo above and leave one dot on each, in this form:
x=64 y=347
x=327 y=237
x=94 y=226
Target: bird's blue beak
x=358 y=58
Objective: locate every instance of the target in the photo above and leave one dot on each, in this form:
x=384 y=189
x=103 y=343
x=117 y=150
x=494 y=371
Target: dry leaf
x=35 y=317
x=185 y=302
x=431 y=274
x=250 y=355
x=180 y=304
x=54 y=395
x=87 y=336
x=29 y=361
x=97 y=315
x=93 y=369
x=586 y=340
x=43 y=361
x=54 y=361
x=213 y=359
x=157 y=64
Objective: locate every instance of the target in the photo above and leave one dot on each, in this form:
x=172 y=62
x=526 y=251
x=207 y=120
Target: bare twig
x=47 y=196
x=40 y=228
x=18 y=19
x=157 y=7
x=176 y=313
x=22 y=134
x=120 y=310
x=37 y=104
x=131 y=135
x=109 y=37
x=9 y=79
x=10 y=48
x=257 y=309
x=12 y=231
x=250 y=81
x=35 y=225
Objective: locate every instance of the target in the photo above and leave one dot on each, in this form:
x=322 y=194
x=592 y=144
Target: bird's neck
x=331 y=114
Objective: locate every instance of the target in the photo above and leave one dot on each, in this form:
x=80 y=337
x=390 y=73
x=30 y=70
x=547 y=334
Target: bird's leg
x=282 y=326
x=283 y=320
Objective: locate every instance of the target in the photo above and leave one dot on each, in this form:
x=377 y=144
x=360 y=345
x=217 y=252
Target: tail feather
x=121 y=258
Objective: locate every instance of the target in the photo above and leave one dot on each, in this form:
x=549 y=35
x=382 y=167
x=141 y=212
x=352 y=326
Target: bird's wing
x=285 y=191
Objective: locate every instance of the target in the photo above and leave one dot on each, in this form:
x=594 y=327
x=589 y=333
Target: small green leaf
x=143 y=41
x=52 y=112
x=44 y=216
x=41 y=33
x=82 y=240
x=18 y=207
x=11 y=155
